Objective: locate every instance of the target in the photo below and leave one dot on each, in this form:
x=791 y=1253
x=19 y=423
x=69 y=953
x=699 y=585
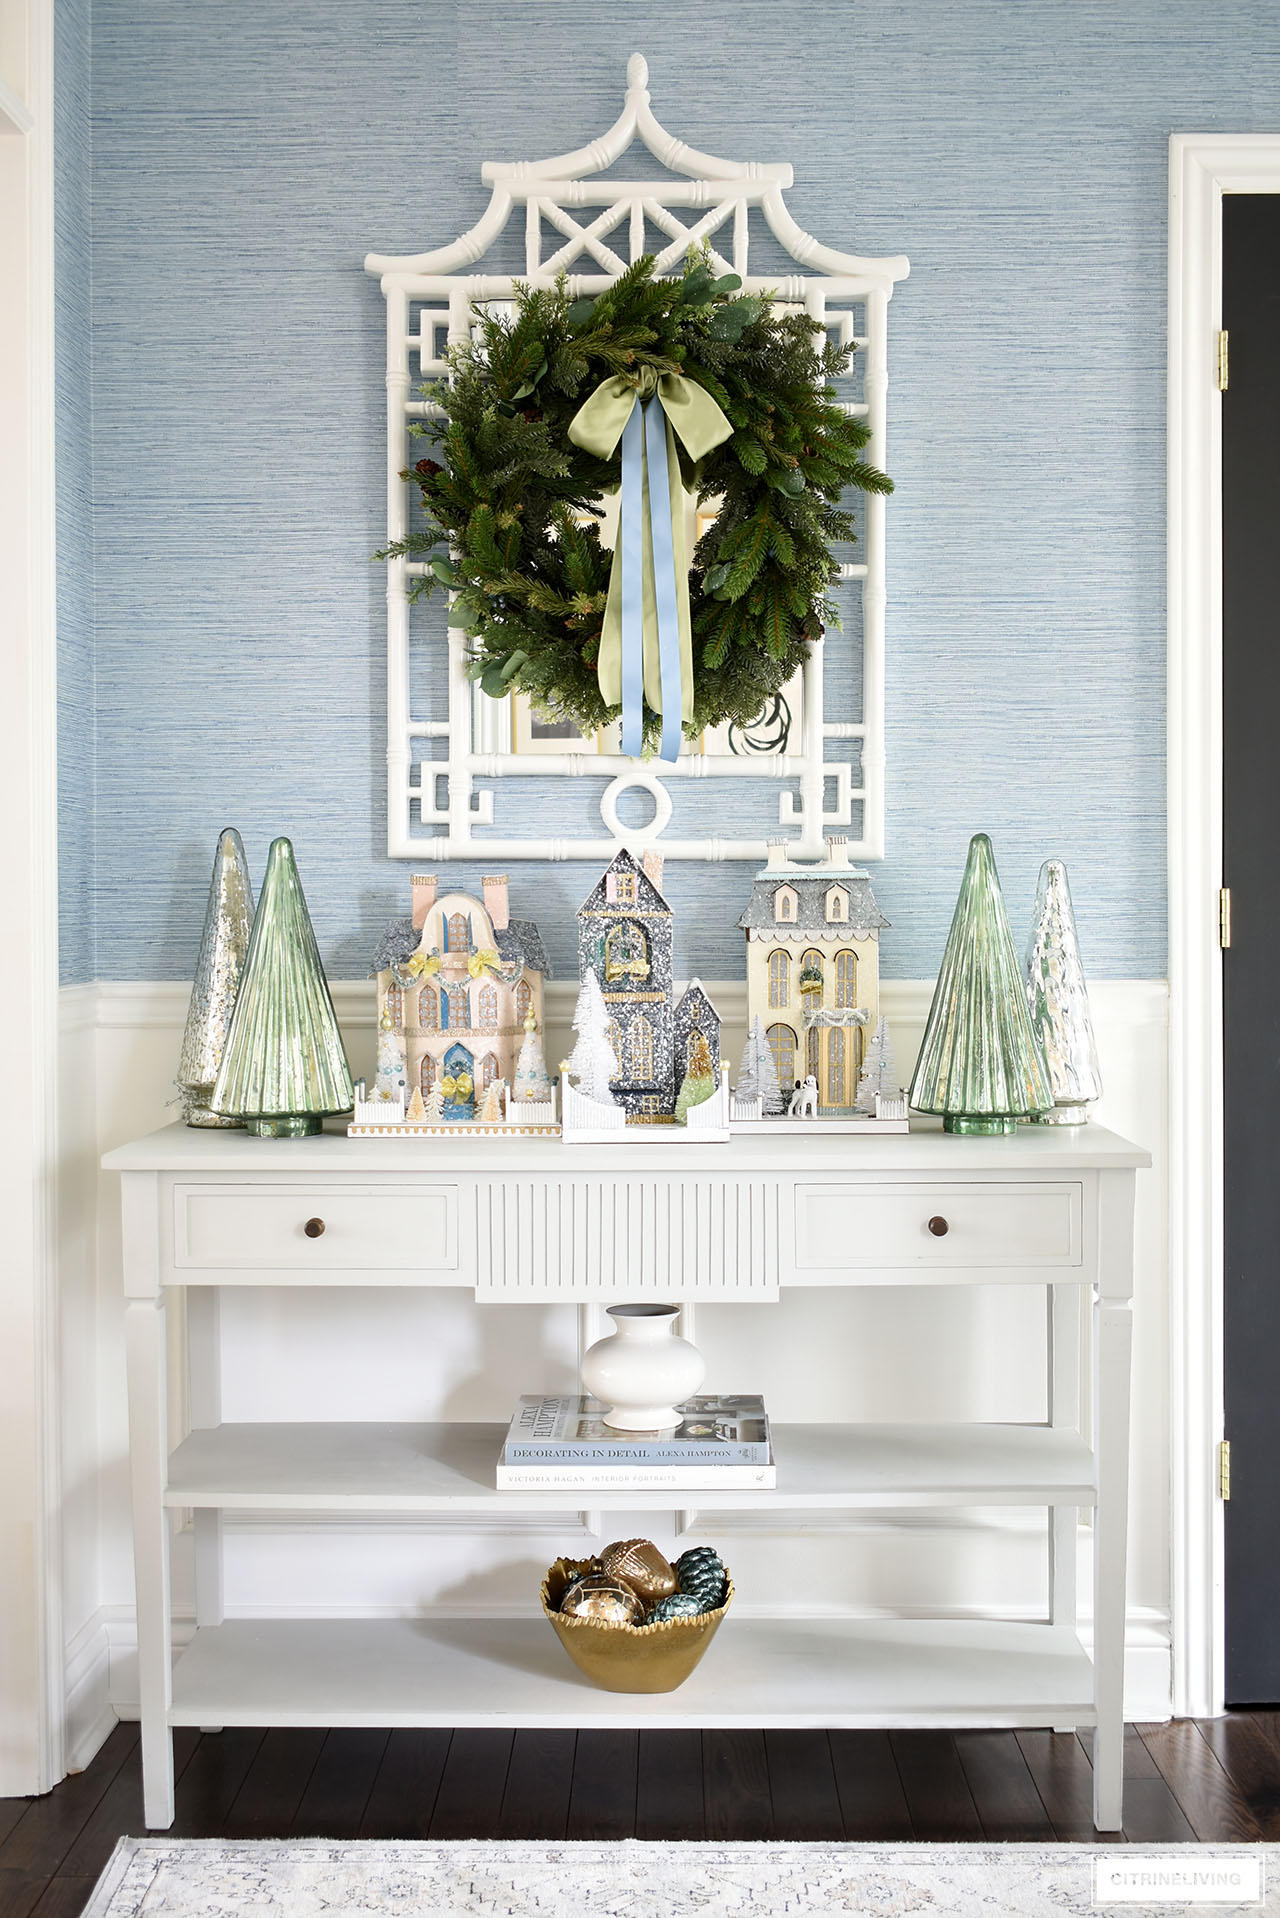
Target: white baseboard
x=90 y=1716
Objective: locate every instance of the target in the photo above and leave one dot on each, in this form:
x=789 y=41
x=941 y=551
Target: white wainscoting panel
x=818 y=1354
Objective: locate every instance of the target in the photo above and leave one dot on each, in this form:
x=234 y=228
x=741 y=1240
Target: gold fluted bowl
x=629 y=1658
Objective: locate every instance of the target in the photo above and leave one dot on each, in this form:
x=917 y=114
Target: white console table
x=531 y=1219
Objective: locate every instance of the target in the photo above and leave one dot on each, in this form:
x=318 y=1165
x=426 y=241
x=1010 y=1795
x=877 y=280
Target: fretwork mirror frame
x=428 y=294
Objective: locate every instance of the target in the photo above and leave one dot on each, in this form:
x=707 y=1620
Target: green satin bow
x=597 y=427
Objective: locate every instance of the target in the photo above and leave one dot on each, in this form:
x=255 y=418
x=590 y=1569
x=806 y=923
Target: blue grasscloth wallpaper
x=244 y=158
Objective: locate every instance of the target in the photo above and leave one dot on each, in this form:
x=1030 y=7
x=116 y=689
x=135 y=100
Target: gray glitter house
x=625 y=938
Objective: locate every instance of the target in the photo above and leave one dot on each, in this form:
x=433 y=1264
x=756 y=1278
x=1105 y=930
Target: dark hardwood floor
x=1215 y=1781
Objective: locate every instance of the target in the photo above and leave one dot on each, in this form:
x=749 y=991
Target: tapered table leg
x=149 y=1456
x=1112 y=1349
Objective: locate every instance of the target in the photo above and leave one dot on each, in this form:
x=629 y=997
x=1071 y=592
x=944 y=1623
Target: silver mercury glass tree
x=224 y=944
x=1059 y=1002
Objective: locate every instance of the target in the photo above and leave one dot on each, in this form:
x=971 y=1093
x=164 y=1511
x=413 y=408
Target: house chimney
x=777 y=854
x=495 y=899
x=838 y=852
x=424 y=897
x=653 y=866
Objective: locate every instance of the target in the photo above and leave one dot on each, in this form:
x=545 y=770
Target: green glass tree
x=283 y=1068
x=980 y=1064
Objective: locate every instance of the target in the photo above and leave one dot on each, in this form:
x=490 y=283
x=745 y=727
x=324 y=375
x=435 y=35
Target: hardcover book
x=569 y=1430
x=634 y=1478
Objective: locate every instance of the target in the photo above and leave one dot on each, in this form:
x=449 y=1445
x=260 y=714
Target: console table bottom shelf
x=513 y=1672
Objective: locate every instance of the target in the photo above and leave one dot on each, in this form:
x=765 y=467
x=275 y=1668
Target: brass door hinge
x=1222 y=361
x=1224 y=917
x=1224 y=1468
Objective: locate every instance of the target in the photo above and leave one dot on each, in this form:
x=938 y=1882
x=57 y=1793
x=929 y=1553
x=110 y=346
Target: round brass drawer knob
x=938 y=1227
x=314 y=1227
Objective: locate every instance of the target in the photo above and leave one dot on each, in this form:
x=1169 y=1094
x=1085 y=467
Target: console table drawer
x=388 y=1227
x=845 y=1228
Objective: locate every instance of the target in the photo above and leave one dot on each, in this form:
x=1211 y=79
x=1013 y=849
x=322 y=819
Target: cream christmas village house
x=625 y=938
x=456 y=982
x=813 y=969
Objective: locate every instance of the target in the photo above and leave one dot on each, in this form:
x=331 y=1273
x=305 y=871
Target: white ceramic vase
x=643 y=1370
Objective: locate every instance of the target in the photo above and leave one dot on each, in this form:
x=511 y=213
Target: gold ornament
x=596 y=1596
x=639 y=1564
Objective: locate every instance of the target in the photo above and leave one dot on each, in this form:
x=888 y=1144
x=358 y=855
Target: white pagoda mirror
x=474 y=777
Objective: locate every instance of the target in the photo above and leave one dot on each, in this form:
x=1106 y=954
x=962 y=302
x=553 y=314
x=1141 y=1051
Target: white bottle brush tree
x=758 y=1075
x=532 y=1083
x=879 y=1073
x=593 y=1063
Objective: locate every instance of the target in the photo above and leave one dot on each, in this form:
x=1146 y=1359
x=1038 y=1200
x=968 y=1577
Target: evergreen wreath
x=516 y=504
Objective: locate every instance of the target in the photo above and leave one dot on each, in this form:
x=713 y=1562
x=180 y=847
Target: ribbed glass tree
x=980 y=1061
x=283 y=1069
x=224 y=947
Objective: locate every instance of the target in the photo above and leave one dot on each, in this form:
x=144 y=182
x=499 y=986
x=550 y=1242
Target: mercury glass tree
x=980 y=1062
x=224 y=945
x=284 y=1068
x=1059 y=1003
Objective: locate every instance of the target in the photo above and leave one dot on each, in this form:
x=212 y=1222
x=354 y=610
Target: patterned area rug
x=215 y=1878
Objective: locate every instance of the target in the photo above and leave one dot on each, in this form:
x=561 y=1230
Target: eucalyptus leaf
x=579 y=314
x=446 y=572
x=514 y=664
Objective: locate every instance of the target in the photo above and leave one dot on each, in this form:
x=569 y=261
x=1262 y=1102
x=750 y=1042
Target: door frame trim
x=1202 y=168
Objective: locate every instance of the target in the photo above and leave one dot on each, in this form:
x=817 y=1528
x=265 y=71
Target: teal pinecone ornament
x=700 y=1574
x=283 y=1068
x=676 y=1605
x=981 y=1064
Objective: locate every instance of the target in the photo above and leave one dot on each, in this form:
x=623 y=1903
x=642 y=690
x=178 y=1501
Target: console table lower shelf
x=854 y=1673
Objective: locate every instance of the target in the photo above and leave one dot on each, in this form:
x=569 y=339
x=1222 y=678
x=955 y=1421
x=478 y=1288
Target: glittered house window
x=524 y=1001
x=427 y=1076
x=837 y=905
x=457 y=933
x=846 y=979
x=836 y=1066
x=488 y=1071
x=459 y=1010
x=811 y=981
x=488 y=1008
x=626 y=952
x=779 y=979
x=642 y=1050
x=615 y=1041
x=782 y=1044
x=785 y=902
x=395 y=1004
x=428 y=1010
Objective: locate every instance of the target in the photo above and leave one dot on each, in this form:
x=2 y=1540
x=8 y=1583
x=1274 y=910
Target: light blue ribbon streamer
x=664 y=578
x=645 y=434
x=631 y=546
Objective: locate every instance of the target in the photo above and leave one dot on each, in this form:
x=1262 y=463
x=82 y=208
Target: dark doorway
x=1251 y=833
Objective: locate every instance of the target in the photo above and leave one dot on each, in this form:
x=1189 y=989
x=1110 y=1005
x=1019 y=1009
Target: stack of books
x=563 y=1443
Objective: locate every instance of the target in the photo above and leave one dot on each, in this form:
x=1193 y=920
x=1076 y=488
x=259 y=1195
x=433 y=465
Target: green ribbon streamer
x=692 y=414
